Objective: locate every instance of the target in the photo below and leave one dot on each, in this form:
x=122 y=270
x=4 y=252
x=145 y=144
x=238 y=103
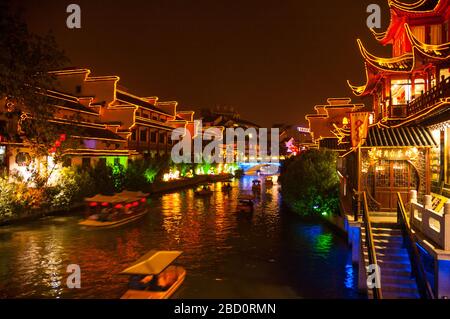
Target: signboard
x=359 y=125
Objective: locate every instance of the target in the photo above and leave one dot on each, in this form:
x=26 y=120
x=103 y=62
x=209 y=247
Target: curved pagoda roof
x=377 y=67
x=418 y=7
x=430 y=51
x=404 y=12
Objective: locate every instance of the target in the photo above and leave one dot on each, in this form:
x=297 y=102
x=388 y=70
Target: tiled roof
x=136 y=101
x=414 y=136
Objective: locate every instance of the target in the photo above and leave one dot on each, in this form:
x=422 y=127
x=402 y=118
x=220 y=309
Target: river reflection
x=273 y=254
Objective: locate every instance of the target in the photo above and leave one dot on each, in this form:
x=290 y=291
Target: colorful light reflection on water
x=273 y=254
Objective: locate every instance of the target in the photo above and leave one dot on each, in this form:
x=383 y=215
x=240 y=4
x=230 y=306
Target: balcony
x=398 y=111
x=430 y=98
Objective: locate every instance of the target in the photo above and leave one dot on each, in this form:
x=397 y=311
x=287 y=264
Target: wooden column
x=427 y=171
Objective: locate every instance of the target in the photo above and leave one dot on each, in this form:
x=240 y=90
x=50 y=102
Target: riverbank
x=170 y=186
x=40 y=213
x=155 y=189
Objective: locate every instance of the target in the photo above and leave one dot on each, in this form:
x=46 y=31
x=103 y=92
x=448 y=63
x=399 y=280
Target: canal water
x=272 y=254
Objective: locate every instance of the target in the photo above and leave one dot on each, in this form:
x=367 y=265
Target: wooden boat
x=245 y=204
x=203 y=191
x=268 y=181
x=256 y=187
x=153 y=276
x=116 y=210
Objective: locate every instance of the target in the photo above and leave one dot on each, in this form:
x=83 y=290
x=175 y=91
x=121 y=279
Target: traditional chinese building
x=101 y=121
x=329 y=120
x=403 y=157
x=145 y=122
x=406 y=148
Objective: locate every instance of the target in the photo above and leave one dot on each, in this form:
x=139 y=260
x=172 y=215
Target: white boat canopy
x=152 y=263
x=124 y=196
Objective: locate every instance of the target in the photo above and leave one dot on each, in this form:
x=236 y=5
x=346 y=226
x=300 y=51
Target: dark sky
x=270 y=60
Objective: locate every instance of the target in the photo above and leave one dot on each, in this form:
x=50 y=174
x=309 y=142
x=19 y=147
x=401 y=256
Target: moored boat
x=256 y=185
x=245 y=204
x=153 y=276
x=205 y=190
x=116 y=210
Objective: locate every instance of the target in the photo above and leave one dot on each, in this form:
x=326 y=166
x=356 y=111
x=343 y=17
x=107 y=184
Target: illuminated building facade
x=406 y=147
x=145 y=122
x=223 y=119
x=329 y=120
x=101 y=121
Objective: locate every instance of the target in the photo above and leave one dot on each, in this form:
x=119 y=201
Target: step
x=388 y=257
x=385 y=265
x=387 y=250
x=405 y=279
x=388 y=243
x=392 y=272
x=383 y=214
x=392 y=231
x=404 y=288
x=385 y=239
x=400 y=295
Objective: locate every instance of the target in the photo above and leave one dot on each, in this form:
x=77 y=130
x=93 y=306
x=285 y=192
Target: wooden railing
x=370 y=243
x=416 y=261
x=430 y=98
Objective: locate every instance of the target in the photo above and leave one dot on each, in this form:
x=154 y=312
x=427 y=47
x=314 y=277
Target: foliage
x=310 y=184
x=103 y=178
x=9 y=200
x=68 y=189
x=25 y=60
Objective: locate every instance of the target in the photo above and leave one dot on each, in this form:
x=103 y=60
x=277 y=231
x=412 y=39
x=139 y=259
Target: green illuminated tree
x=310 y=184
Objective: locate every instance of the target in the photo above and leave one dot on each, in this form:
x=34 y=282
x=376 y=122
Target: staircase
x=394 y=262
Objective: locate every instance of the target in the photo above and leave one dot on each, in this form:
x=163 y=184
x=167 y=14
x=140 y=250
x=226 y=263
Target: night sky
x=272 y=61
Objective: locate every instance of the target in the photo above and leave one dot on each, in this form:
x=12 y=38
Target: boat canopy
x=125 y=196
x=104 y=198
x=152 y=263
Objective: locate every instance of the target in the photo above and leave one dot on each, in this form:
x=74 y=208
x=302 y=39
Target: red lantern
x=53 y=150
x=62 y=137
x=58 y=143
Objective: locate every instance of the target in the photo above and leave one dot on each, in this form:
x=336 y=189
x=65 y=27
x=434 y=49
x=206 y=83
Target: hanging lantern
x=62 y=137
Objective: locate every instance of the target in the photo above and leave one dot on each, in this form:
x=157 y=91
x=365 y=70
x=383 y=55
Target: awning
x=411 y=136
x=152 y=263
x=124 y=196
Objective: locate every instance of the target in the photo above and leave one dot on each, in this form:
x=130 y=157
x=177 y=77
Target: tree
x=310 y=184
x=25 y=62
